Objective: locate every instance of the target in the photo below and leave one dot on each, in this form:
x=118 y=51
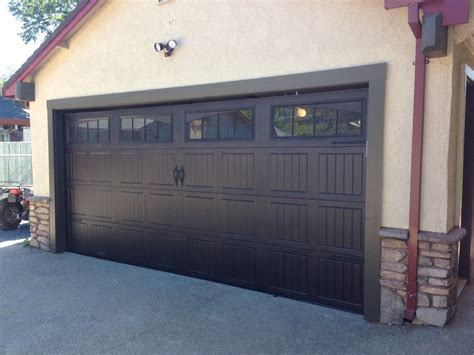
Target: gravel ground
x=21 y=233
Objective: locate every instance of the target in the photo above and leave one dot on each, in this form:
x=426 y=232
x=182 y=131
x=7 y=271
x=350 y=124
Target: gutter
x=416 y=162
x=453 y=12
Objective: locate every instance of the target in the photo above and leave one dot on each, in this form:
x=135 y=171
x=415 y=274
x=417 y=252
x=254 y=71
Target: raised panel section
x=340 y=227
x=100 y=168
x=161 y=169
x=288 y=222
x=79 y=233
x=160 y=209
x=239 y=263
x=100 y=204
x=103 y=237
x=341 y=173
x=239 y=216
x=238 y=171
x=131 y=207
x=78 y=201
x=131 y=168
x=78 y=167
x=133 y=242
x=199 y=212
x=289 y=172
x=202 y=256
x=289 y=272
x=164 y=250
x=199 y=170
x=340 y=281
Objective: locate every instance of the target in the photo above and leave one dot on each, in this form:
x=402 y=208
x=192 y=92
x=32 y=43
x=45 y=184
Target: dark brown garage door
x=264 y=193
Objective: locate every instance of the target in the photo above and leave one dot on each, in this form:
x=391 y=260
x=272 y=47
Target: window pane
x=103 y=129
x=304 y=128
x=138 y=129
x=151 y=130
x=92 y=131
x=195 y=129
x=324 y=113
x=349 y=127
x=72 y=131
x=226 y=125
x=243 y=124
x=126 y=129
x=164 y=128
x=82 y=131
x=325 y=128
x=283 y=122
x=210 y=127
x=220 y=125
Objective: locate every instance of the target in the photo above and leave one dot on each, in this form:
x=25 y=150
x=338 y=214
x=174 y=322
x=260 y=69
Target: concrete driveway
x=69 y=303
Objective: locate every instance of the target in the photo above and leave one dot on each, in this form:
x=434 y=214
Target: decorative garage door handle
x=175 y=175
x=181 y=174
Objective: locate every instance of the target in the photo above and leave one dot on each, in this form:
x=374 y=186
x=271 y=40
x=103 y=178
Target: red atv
x=13 y=206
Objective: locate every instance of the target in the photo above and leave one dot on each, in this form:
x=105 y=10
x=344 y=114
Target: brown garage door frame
x=373 y=76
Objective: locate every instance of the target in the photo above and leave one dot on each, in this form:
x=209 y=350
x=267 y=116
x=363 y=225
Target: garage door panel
x=288 y=222
x=130 y=168
x=237 y=172
x=93 y=202
x=202 y=257
x=340 y=283
x=238 y=263
x=288 y=172
x=101 y=168
x=77 y=167
x=159 y=169
x=340 y=228
x=289 y=273
x=78 y=236
x=130 y=245
x=239 y=216
x=200 y=170
x=130 y=206
x=165 y=250
x=160 y=209
x=199 y=213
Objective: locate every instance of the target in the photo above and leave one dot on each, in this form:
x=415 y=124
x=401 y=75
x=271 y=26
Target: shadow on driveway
x=15 y=236
x=64 y=303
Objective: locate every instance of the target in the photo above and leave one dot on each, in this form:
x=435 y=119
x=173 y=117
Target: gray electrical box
x=25 y=91
x=434 y=36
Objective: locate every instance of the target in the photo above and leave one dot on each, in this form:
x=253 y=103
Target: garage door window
x=88 y=131
x=146 y=128
x=340 y=119
x=236 y=124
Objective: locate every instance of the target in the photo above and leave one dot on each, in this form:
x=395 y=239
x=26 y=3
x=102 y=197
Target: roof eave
x=41 y=55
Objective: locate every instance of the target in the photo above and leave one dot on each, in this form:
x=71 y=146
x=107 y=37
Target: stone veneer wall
x=39 y=222
x=437 y=276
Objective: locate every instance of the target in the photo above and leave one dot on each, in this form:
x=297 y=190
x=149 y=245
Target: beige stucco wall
x=240 y=39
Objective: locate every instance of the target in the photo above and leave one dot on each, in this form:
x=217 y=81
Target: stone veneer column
x=437 y=276
x=39 y=222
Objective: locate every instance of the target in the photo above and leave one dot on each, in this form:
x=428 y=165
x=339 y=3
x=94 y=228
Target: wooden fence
x=15 y=163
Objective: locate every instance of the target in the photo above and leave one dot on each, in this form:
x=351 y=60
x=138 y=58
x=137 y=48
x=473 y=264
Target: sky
x=13 y=52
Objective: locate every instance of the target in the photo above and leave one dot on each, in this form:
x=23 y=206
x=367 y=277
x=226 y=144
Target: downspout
x=416 y=161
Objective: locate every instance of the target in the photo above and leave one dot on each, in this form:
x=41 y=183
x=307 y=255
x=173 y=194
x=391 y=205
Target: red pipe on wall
x=416 y=162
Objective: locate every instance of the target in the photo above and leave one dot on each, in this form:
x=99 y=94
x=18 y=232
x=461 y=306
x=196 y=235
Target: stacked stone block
x=39 y=222
x=437 y=277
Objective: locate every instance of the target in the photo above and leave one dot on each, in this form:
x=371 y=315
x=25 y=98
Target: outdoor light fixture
x=169 y=47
